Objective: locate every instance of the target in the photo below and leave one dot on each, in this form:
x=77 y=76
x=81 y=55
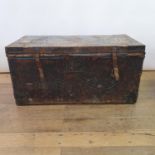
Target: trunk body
x=70 y=70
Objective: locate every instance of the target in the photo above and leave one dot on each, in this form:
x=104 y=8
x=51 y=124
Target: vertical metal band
x=115 y=65
x=40 y=70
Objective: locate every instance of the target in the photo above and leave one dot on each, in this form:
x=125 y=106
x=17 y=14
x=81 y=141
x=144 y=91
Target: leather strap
x=115 y=65
x=40 y=70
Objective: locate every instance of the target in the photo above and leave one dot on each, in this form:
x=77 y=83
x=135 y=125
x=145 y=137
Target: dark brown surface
x=75 y=69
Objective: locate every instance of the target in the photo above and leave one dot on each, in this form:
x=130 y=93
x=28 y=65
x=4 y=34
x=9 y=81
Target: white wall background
x=74 y=17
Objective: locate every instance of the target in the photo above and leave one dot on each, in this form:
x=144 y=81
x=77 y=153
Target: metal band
x=40 y=70
x=115 y=65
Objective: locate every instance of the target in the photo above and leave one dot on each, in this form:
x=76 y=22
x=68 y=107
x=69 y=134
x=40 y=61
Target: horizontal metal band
x=80 y=55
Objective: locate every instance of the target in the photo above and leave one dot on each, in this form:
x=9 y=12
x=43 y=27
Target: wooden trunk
x=75 y=69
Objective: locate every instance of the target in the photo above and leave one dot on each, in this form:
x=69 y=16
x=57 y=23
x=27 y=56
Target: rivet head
x=99 y=86
x=30 y=99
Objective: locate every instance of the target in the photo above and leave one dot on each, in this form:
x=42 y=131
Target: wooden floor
x=78 y=129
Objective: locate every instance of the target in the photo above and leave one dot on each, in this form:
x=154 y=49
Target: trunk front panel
x=75 y=79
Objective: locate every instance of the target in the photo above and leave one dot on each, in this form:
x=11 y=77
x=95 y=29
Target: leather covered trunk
x=75 y=69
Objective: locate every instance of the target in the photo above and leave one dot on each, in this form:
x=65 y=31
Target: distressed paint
x=75 y=69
